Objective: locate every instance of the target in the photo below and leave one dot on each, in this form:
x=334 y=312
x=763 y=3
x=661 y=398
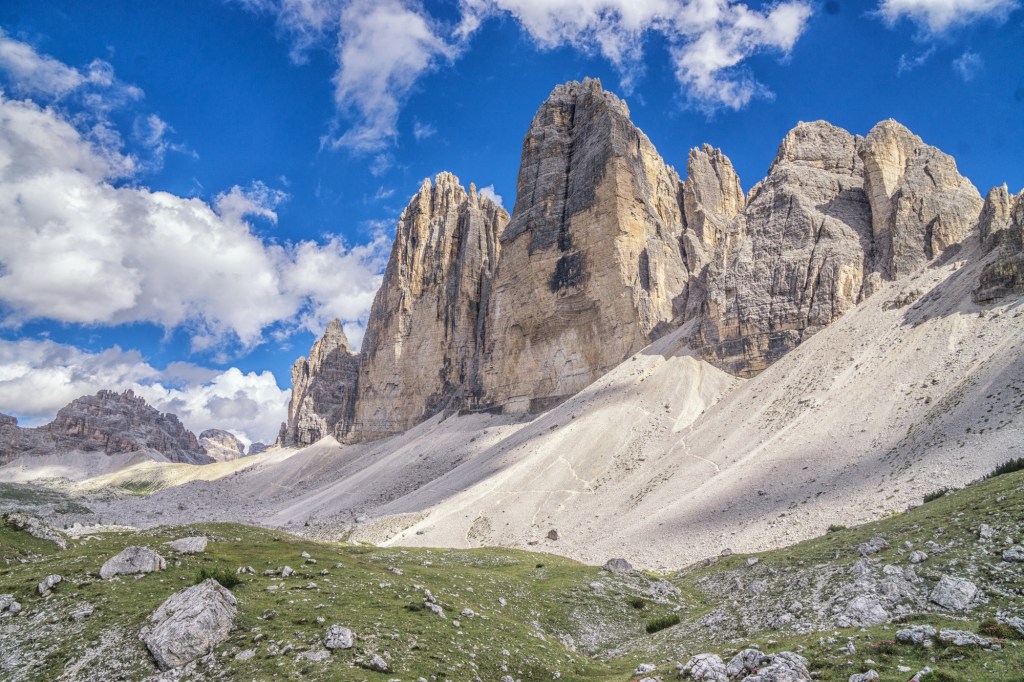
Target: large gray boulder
x=863 y=610
x=190 y=624
x=338 y=637
x=955 y=594
x=618 y=566
x=133 y=561
x=49 y=582
x=8 y=606
x=705 y=668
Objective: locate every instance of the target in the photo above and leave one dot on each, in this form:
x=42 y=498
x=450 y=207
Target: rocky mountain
x=427 y=328
x=323 y=390
x=607 y=249
x=221 y=446
x=108 y=422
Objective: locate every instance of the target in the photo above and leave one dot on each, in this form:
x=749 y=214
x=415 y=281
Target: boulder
x=869 y=676
x=1014 y=554
x=918 y=635
x=193 y=545
x=917 y=556
x=376 y=663
x=618 y=566
x=189 y=624
x=746 y=661
x=49 y=582
x=955 y=594
x=873 y=546
x=705 y=668
x=963 y=638
x=132 y=561
x=8 y=606
x=864 y=610
x=338 y=637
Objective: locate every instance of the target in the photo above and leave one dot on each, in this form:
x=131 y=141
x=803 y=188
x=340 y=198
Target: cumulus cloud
x=384 y=46
x=75 y=247
x=34 y=73
x=937 y=16
x=37 y=378
x=489 y=192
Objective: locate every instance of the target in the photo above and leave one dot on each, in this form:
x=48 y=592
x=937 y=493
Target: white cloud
x=37 y=378
x=422 y=131
x=936 y=16
x=489 y=192
x=34 y=73
x=968 y=65
x=76 y=248
x=910 y=62
x=385 y=46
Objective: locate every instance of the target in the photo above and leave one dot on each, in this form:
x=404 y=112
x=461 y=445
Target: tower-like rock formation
x=920 y=204
x=323 y=391
x=1005 y=275
x=794 y=258
x=424 y=337
x=590 y=262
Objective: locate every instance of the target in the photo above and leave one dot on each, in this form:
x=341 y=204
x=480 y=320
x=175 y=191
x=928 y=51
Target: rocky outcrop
x=1004 y=276
x=189 y=624
x=132 y=561
x=794 y=259
x=221 y=446
x=256 y=448
x=425 y=332
x=323 y=391
x=920 y=204
x=607 y=249
x=107 y=422
x=590 y=262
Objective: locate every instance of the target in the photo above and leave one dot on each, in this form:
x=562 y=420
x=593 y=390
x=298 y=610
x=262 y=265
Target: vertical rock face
x=424 y=335
x=793 y=260
x=110 y=422
x=590 y=262
x=323 y=391
x=920 y=204
x=1005 y=275
x=995 y=215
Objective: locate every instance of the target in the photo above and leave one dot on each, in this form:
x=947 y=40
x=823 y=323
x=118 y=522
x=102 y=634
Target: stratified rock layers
x=590 y=263
x=424 y=338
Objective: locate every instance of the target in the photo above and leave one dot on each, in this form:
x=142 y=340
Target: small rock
x=869 y=676
x=133 y=561
x=645 y=668
x=376 y=663
x=304 y=555
x=314 y=656
x=552 y=534
x=82 y=611
x=752 y=561
x=917 y=556
x=245 y=655
x=955 y=594
x=963 y=638
x=8 y=606
x=193 y=545
x=338 y=637
x=984 y=532
x=618 y=566
x=919 y=635
x=1014 y=554
x=49 y=582
x=873 y=546
x=782 y=621
x=597 y=587
x=287 y=571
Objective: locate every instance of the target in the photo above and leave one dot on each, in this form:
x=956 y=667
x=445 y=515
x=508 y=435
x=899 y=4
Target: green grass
x=553 y=620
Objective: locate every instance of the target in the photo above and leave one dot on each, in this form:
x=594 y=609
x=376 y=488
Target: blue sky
x=190 y=191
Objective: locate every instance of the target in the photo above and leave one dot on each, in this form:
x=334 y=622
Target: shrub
x=222 y=575
x=941 y=492
x=990 y=627
x=1008 y=467
x=414 y=607
x=885 y=646
x=661 y=622
x=836 y=527
x=637 y=602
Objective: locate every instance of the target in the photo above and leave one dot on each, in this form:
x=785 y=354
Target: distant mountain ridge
x=108 y=422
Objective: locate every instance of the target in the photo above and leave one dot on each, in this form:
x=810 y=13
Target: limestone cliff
x=323 y=391
x=590 y=262
x=425 y=333
x=607 y=249
x=221 y=446
x=108 y=422
x=795 y=256
x=1005 y=275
